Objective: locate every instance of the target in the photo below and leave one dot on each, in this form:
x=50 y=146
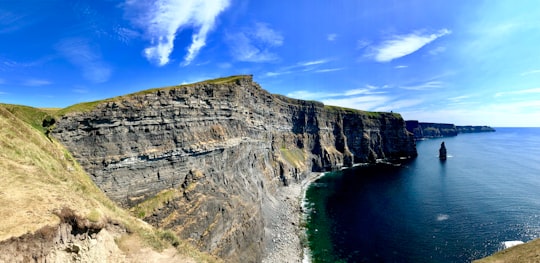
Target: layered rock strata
x=436 y=130
x=204 y=159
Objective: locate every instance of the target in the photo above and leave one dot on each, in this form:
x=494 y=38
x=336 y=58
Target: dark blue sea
x=486 y=193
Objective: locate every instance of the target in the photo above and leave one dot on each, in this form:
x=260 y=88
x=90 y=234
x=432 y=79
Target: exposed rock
x=431 y=130
x=73 y=240
x=435 y=130
x=442 y=152
x=474 y=129
x=223 y=150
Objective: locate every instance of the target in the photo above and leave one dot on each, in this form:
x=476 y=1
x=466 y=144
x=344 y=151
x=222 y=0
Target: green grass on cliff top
x=30 y=115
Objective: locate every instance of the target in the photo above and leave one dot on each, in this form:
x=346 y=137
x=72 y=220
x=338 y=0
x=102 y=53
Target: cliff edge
x=205 y=160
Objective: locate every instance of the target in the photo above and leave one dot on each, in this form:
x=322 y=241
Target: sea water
x=485 y=195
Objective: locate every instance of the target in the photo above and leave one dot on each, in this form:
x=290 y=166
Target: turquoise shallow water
x=487 y=192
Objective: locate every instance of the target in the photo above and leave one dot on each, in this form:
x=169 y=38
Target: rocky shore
x=285 y=233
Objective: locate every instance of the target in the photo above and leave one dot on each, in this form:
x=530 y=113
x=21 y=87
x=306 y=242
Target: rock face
x=72 y=240
x=431 y=130
x=435 y=130
x=473 y=129
x=442 y=152
x=206 y=157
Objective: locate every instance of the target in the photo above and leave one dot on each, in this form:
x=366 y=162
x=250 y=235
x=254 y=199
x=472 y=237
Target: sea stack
x=442 y=152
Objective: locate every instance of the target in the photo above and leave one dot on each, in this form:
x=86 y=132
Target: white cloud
x=36 y=82
x=518 y=92
x=307 y=66
x=459 y=98
x=425 y=86
x=402 y=45
x=267 y=35
x=311 y=63
x=398 y=104
x=253 y=44
x=361 y=44
x=437 y=50
x=309 y=95
x=530 y=72
x=401 y=66
x=163 y=19
x=328 y=70
x=370 y=102
x=79 y=52
x=331 y=37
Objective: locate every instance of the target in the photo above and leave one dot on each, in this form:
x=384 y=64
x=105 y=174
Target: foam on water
x=442 y=217
x=508 y=244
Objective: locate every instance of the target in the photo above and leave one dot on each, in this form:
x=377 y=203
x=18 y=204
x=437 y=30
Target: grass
x=39 y=177
x=294 y=157
x=30 y=115
x=150 y=205
x=528 y=252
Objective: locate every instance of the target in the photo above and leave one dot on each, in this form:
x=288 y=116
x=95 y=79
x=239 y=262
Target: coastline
x=284 y=230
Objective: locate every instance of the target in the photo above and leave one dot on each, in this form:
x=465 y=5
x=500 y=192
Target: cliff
x=435 y=130
x=52 y=211
x=474 y=129
x=205 y=160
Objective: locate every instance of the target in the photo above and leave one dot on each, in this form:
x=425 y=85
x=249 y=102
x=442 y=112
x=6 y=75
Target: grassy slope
x=529 y=252
x=38 y=176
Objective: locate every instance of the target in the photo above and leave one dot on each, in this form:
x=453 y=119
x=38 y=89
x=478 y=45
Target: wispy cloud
x=331 y=37
x=398 y=104
x=530 y=72
x=304 y=66
x=359 y=102
x=328 y=70
x=311 y=63
x=79 y=52
x=37 y=82
x=518 y=92
x=459 y=98
x=425 y=86
x=401 y=66
x=402 y=45
x=365 y=98
x=309 y=95
x=163 y=19
x=437 y=50
x=254 y=44
x=12 y=21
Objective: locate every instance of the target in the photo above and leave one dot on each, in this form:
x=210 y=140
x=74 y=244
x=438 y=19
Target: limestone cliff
x=435 y=130
x=203 y=159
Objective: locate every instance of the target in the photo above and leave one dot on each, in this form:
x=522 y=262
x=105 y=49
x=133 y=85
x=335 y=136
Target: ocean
x=486 y=192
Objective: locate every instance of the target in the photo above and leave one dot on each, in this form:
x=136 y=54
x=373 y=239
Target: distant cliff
x=434 y=130
x=204 y=159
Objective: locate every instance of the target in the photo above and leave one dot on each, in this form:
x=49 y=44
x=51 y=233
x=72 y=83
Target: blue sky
x=464 y=62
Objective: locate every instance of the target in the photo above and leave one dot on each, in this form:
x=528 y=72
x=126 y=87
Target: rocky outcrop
x=203 y=159
x=436 y=130
x=74 y=239
x=442 y=152
x=431 y=130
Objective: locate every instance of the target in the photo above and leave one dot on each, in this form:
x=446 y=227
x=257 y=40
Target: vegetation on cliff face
x=39 y=179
